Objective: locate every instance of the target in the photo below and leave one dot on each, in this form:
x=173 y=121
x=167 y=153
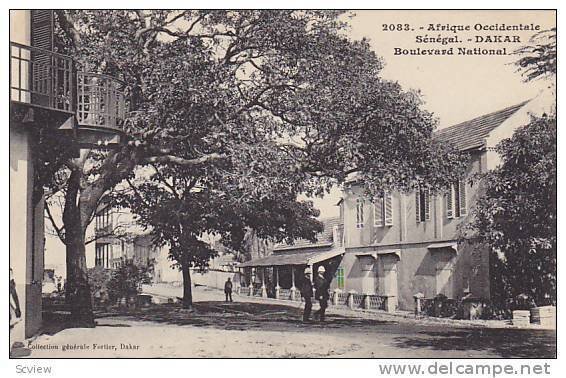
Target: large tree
x=516 y=215
x=183 y=205
x=242 y=88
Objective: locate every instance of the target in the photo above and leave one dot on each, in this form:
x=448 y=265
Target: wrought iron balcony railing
x=50 y=80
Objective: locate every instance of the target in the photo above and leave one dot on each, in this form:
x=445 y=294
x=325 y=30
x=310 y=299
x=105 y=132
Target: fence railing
x=257 y=291
x=284 y=293
x=42 y=78
x=342 y=299
x=358 y=300
x=377 y=302
x=244 y=290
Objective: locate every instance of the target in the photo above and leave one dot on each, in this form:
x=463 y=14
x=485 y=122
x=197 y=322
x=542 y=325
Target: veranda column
x=312 y=278
x=276 y=282
x=293 y=288
x=251 y=286
x=263 y=289
x=239 y=281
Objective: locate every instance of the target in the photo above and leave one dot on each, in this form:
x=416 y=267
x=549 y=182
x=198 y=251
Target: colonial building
x=402 y=244
x=49 y=96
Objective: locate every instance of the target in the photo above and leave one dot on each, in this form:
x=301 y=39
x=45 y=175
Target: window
x=422 y=204
x=456 y=200
x=359 y=213
x=103 y=218
x=383 y=211
x=339 y=275
x=102 y=255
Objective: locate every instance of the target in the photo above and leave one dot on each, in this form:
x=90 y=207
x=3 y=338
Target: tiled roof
x=300 y=256
x=471 y=134
x=323 y=239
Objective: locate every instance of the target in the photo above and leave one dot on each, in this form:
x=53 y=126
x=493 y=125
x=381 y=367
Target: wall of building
x=405 y=228
x=417 y=268
x=26 y=232
x=543 y=103
x=215 y=278
x=164 y=271
x=21 y=182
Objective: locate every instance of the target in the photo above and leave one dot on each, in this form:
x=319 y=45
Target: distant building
x=119 y=239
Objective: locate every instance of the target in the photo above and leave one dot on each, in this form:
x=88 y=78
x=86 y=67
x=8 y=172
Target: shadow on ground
x=244 y=316
x=238 y=316
x=508 y=343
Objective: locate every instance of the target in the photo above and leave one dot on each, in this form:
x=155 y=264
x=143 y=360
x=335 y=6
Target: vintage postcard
x=283 y=184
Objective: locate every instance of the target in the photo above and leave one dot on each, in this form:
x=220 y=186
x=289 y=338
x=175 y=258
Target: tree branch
x=58 y=230
x=185 y=162
x=164 y=181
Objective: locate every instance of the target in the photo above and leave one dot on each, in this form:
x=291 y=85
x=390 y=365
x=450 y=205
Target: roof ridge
x=518 y=106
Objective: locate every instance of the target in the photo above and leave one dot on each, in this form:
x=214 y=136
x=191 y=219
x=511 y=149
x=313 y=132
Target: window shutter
x=42 y=29
x=388 y=210
x=427 y=204
x=378 y=212
x=462 y=188
x=42 y=72
x=418 y=204
x=449 y=202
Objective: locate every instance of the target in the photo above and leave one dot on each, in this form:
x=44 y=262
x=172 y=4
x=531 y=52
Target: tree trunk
x=78 y=295
x=80 y=204
x=187 y=288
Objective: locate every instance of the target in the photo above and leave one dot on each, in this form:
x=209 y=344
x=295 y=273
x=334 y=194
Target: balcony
x=101 y=104
x=42 y=78
x=48 y=80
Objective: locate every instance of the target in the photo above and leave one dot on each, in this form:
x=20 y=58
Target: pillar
x=418 y=303
x=335 y=296
x=263 y=289
x=276 y=282
x=293 y=288
x=391 y=303
x=351 y=298
x=367 y=303
x=251 y=285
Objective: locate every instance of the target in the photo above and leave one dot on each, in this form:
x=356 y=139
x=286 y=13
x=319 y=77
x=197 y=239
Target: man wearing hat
x=321 y=292
x=306 y=292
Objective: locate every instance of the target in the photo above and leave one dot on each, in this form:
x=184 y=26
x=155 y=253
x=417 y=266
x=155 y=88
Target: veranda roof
x=301 y=258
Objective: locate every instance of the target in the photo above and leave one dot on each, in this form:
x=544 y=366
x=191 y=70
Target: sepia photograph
x=283 y=183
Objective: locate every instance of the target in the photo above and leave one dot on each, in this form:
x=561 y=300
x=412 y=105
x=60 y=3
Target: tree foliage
x=538 y=58
x=242 y=104
x=126 y=281
x=516 y=216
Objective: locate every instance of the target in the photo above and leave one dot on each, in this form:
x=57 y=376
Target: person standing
x=306 y=293
x=321 y=286
x=228 y=290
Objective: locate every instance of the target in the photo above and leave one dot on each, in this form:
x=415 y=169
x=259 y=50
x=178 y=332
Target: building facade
x=403 y=244
x=49 y=96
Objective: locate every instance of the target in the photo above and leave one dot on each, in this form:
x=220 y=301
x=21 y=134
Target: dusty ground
x=255 y=328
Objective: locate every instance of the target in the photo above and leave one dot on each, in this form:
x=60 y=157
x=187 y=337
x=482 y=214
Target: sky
x=454 y=88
